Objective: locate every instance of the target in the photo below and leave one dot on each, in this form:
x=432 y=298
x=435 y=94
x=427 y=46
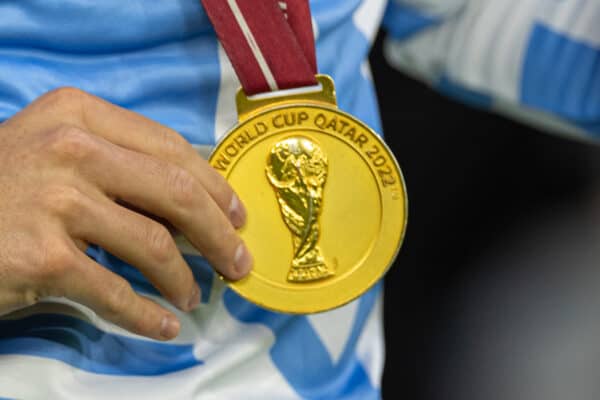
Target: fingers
x=138 y=133
x=111 y=297
x=72 y=153
x=165 y=190
x=142 y=242
x=174 y=194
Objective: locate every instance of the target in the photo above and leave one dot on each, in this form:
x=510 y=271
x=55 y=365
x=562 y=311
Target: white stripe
x=367 y=17
x=283 y=6
x=488 y=45
x=260 y=59
x=370 y=348
x=365 y=70
x=226 y=115
x=236 y=357
x=342 y=318
x=577 y=20
x=315 y=27
x=35 y=378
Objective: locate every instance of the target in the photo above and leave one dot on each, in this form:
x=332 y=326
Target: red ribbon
x=270 y=43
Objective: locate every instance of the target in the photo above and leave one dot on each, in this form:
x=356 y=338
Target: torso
x=162 y=59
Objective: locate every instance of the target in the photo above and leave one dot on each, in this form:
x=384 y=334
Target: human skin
x=76 y=170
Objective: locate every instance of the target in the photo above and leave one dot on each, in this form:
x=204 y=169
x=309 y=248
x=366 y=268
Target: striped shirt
x=536 y=60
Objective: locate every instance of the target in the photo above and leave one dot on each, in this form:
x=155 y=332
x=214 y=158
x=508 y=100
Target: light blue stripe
x=82 y=345
x=156 y=58
x=561 y=75
x=403 y=21
x=109 y=27
x=303 y=359
x=339 y=36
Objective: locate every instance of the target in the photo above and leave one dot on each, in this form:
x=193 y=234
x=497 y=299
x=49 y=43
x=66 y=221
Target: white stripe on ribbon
x=284 y=7
x=260 y=59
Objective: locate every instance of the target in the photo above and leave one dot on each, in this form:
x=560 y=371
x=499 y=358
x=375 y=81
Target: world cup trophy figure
x=297 y=170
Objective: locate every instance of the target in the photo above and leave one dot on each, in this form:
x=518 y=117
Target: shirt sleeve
x=536 y=61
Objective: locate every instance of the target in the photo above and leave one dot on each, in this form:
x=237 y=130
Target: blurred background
x=496 y=291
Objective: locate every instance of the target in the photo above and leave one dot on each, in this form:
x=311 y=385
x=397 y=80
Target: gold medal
x=326 y=200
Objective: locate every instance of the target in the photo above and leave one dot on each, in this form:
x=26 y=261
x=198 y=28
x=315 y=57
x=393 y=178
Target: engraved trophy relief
x=297 y=170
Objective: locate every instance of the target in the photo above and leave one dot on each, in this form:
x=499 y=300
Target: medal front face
x=326 y=205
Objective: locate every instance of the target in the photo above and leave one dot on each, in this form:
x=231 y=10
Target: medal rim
x=278 y=105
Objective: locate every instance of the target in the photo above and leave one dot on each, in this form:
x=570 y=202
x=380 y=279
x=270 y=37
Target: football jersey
x=535 y=60
x=162 y=59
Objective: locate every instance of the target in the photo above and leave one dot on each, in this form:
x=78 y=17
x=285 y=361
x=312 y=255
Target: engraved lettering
x=386 y=176
x=379 y=161
x=240 y=140
x=350 y=134
x=221 y=163
x=249 y=136
x=371 y=153
x=389 y=181
x=231 y=150
x=302 y=116
x=243 y=139
x=320 y=121
x=261 y=128
x=386 y=171
x=361 y=140
x=332 y=124
x=343 y=125
x=278 y=121
x=290 y=119
x=353 y=133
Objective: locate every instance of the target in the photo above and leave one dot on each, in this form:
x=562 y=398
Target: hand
x=69 y=163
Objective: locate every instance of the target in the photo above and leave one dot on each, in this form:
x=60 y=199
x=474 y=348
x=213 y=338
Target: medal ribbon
x=270 y=43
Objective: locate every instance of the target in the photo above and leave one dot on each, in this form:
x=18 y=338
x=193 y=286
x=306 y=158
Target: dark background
x=472 y=178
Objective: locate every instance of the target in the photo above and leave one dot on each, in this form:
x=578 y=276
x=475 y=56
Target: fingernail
x=242 y=260
x=169 y=327
x=237 y=212
x=194 y=298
